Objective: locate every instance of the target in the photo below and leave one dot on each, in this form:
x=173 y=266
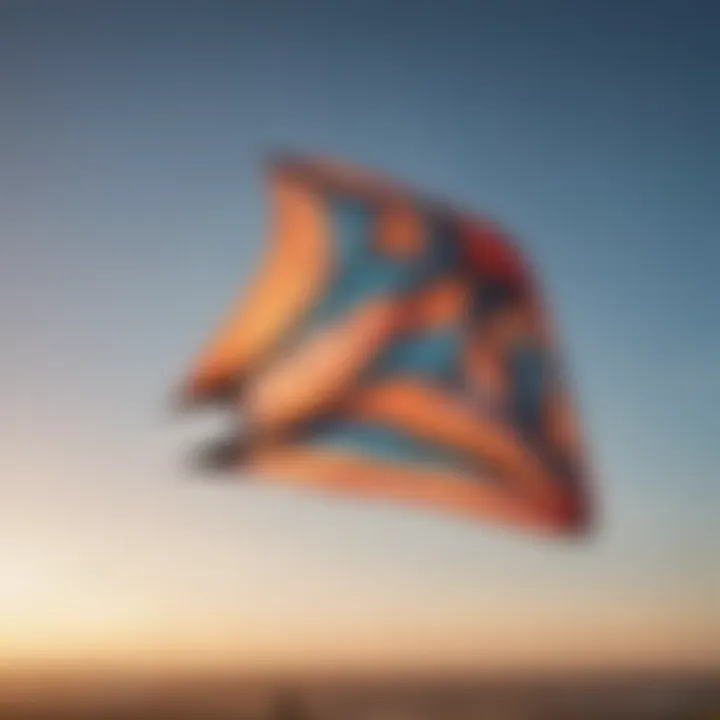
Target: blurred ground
x=672 y=699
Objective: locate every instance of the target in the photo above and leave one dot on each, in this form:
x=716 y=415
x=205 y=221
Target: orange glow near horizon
x=65 y=633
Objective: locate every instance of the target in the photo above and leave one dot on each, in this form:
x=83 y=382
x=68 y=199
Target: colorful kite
x=394 y=347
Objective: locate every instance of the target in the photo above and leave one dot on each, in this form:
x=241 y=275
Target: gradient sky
x=131 y=208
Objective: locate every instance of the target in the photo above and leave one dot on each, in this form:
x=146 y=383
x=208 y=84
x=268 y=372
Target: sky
x=132 y=207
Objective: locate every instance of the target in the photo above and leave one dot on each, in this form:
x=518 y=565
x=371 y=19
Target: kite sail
x=393 y=346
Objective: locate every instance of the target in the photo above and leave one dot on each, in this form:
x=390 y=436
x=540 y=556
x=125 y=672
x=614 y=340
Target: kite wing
x=346 y=251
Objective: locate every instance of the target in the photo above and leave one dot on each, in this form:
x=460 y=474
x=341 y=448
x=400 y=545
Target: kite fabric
x=394 y=347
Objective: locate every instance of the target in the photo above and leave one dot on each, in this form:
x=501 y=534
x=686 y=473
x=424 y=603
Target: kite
x=395 y=347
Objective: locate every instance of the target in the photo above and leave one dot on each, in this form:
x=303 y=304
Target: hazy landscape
x=648 y=696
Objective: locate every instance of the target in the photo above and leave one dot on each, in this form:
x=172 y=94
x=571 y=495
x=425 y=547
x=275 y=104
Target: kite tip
x=578 y=522
x=219 y=456
x=188 y=397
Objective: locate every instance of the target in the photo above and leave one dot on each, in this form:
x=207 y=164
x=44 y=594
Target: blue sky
x=131 y=209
